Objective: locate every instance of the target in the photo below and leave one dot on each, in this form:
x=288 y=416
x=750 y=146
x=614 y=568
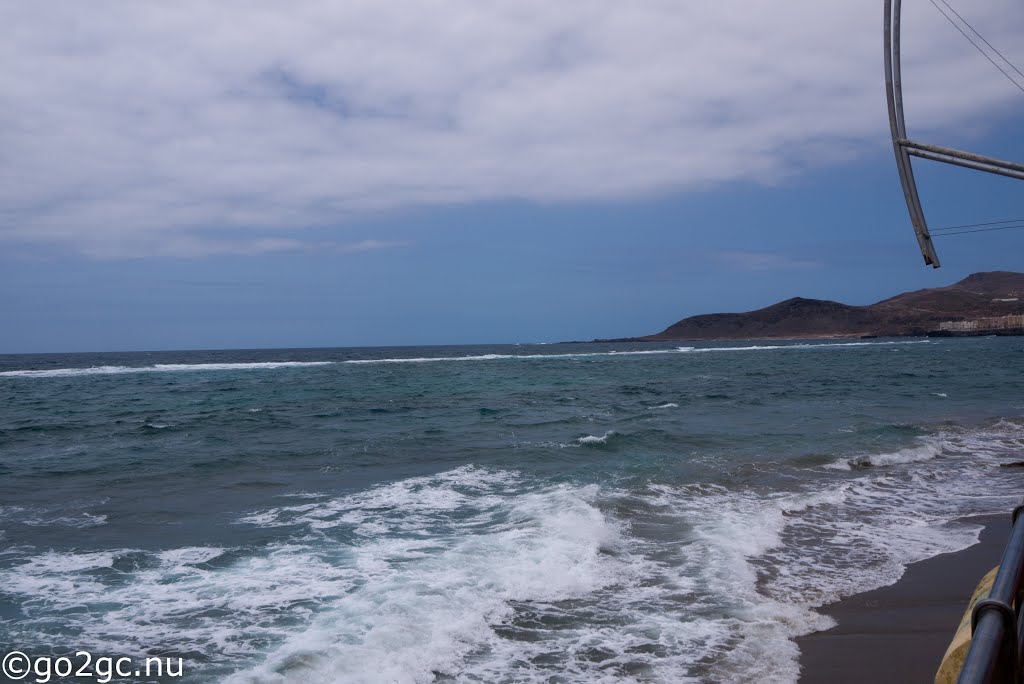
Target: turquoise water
x=557 y=513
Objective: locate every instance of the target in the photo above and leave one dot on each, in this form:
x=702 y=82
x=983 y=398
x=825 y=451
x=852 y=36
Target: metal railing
x=997 y=630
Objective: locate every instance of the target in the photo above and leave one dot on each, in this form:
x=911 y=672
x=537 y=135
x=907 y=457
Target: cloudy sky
x=198 y=174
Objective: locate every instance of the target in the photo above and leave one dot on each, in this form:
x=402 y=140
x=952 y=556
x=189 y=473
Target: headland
x=990 y=303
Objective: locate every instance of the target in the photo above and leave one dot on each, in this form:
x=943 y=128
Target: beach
x=899 y=633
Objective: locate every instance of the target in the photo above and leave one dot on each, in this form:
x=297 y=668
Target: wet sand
x=899 y=633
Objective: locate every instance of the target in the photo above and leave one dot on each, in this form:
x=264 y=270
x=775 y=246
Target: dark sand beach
x=899 y=633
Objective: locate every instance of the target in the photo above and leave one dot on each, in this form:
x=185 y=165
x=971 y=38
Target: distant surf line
x=273 y=365
x=580 y=355
x=156 y=368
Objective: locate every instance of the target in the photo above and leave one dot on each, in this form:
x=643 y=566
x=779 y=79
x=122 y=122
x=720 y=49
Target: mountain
x=911 y=313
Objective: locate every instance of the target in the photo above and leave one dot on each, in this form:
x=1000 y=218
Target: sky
x=196 y=175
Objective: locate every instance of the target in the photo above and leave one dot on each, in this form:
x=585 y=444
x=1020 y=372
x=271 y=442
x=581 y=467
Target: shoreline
x=900 y=633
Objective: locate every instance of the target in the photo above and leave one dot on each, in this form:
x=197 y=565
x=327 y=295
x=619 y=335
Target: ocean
x=539 y=513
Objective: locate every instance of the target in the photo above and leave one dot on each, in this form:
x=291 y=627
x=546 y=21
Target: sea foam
x=480 y=574
x=430 y=605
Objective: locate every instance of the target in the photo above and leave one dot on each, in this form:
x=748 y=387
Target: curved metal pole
x=897 y=126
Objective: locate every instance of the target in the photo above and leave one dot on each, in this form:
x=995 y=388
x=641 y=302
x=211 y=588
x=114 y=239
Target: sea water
x=549 y=513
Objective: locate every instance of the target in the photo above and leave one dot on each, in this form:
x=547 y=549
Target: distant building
x=983 y=324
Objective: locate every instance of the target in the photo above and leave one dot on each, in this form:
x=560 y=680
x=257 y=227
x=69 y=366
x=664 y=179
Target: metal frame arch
x=904 y=148
x=897 y=126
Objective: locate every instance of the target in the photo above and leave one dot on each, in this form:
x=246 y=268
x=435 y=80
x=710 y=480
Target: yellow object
x=956 y=654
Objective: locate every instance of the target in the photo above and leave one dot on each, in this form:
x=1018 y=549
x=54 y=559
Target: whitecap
x=926 y=451
x=594 y=439
x=81 y=521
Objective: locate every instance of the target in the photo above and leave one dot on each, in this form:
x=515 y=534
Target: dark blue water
x=570 y=513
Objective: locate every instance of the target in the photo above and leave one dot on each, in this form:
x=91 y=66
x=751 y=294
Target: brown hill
x=911 y=313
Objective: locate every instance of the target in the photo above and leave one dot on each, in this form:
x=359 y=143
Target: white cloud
x=187 y=244
x=366 y=245
x=748 y=260
x=136 y=128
